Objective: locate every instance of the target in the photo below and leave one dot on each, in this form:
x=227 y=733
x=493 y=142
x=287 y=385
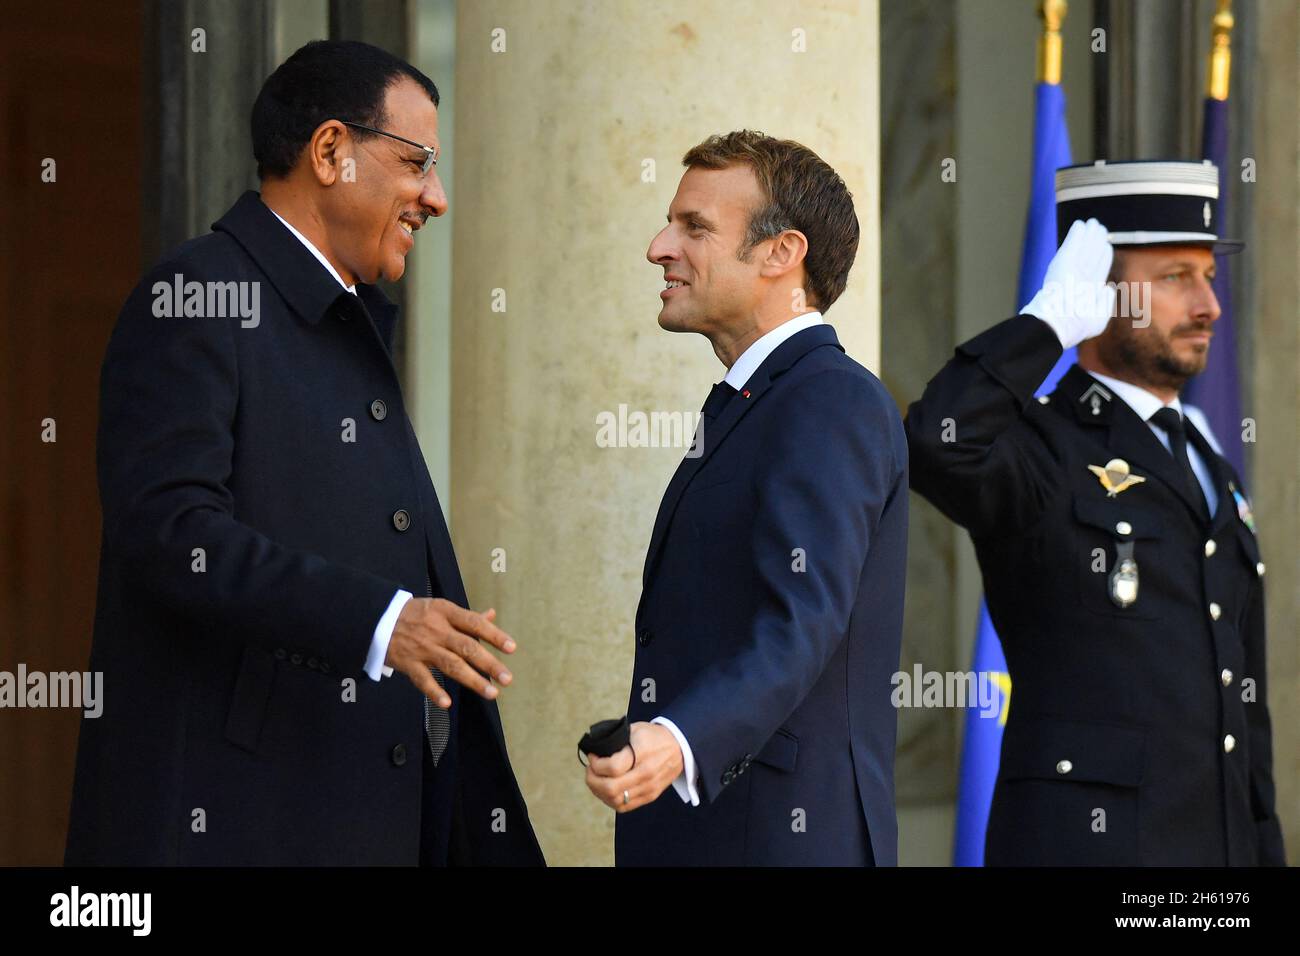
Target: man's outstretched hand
x=434 y=631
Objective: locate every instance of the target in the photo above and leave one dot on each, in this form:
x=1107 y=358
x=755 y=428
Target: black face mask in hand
x=605 y=738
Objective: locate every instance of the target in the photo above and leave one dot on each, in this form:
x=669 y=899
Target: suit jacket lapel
x=1129 y=436
x=711 y=435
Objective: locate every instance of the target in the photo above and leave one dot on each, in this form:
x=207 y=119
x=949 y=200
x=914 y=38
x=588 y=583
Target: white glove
x=1075 y=299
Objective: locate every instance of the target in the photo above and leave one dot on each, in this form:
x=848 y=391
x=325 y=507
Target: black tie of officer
x=1171 y=422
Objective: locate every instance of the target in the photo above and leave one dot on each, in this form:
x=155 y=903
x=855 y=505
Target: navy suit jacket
x=248 y=552
x=771 y=618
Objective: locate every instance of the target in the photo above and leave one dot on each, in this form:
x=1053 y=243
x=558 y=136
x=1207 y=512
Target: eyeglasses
x=430 y=152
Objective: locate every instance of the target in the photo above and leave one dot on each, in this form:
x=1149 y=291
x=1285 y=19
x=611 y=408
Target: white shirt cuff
x=375 y=666
x=687 y=782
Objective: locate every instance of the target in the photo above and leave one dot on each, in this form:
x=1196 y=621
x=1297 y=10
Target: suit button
x=1259 y=569
x=644 y=637
x=295 y=659
x=1123 y=527
x=313 y=663
x=281 y=653
x=401 y=519
x=1210 y=547
x=326 y=667
x=1226 y=677
x=728 y=776
x=1064 y=766
x=378 y=410
x=398 y=755
x=1229 y=742
x=1215 y=611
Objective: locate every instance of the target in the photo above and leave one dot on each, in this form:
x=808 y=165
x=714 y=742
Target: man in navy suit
x=772 y=603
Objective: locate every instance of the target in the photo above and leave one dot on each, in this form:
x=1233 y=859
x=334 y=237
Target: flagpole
x=1052 y=13
x=1216 y=77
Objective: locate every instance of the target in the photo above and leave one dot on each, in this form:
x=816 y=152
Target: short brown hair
x=801 y=192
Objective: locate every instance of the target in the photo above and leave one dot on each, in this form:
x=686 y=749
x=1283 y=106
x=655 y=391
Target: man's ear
x=326 y=151
x=788 y=252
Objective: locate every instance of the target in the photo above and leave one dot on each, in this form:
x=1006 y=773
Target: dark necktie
x=717 y=400
x=1171 y=422
x=437 y=722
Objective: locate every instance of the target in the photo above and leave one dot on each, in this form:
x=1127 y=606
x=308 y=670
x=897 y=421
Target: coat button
x=1064 y=766
x=399 y=755
x=313 y=663
x=644 y=637
x=728 y=776
x=1259 y=569
x=1210 y=547
x=1229 y=742
x=295 y=658
x=378 y=410
x=326 y=667
x=1123 y=527
x=281 y=653
x=1226 y=677
x=1215 y=611
x=401 y=519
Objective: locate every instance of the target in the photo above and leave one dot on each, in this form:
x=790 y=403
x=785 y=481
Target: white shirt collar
x=765 y=345
x=1136 y=397
x=314 y=251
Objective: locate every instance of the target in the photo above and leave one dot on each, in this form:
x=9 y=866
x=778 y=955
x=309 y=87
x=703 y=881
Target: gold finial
x=1216 y=77
x=1052 y=13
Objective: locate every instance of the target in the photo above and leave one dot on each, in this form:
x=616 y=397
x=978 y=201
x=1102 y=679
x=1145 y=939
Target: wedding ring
x=625 y=798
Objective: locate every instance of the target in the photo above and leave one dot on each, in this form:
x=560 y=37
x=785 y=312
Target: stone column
x=563 y=110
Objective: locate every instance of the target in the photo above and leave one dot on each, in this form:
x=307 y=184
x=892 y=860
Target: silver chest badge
x=1124 y=579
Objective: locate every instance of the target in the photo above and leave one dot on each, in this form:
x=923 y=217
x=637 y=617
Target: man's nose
x=432 y=196
x=660 y=250
x=1207 y=303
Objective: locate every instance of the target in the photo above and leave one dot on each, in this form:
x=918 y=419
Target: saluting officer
x=1117 y=546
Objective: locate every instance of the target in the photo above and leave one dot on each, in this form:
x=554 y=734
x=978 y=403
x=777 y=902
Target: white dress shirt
x=1146 y=404
x=688 y=781
x=383 y=634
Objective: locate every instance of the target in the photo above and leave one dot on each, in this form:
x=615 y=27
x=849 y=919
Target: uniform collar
x=1136 y=397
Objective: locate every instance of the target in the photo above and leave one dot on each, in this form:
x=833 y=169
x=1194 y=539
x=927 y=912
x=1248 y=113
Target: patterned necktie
x=437 y=722
x=1171 y=422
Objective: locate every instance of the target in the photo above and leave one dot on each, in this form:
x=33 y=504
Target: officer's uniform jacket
x=1138 y=731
